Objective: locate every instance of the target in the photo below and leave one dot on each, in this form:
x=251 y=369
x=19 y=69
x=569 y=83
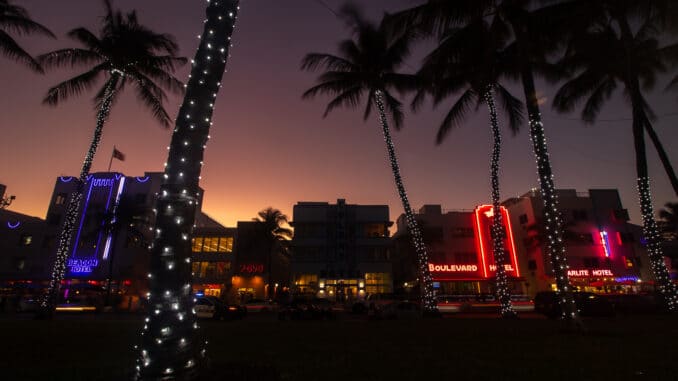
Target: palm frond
x=73 y=87
x=602 y=93
x=12 y=50
x=314 y=61
x=24 y=26
x=69 y=58
x=87 y=38
x=513 y=108
x=394 y=107
x=152 y=97
x=457 y=114
x=349 y=98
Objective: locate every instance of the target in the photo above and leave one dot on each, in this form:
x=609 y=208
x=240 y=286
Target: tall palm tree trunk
x=555 y=247
x=503 y=292
x=170 y=347
x=49 y=301
x=666 y=287
x=428 y=299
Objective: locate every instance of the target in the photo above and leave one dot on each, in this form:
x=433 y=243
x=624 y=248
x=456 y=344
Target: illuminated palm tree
x=537 y=31
x=170 y=345
x=366 y=70
x=622 y=49
x=14 y=19
x=471 y=61
x=125 y=53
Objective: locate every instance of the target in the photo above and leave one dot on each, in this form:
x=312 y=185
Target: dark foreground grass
x=632 y=348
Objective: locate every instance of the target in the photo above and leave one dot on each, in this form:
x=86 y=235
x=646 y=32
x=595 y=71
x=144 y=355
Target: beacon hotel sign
x=484 y=266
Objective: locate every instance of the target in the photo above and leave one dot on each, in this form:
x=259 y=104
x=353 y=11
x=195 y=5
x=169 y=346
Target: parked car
x=588 y=304
x=399 y=310
x=213 y=308
x=28 y=303
x=259 y=305
x=635 y=303
x=454 y=303
x=306 y=310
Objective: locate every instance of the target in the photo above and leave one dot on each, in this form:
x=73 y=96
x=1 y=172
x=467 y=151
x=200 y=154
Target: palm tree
x=170 y=345
x=606 y=55
x=536 y=32
x=15 y=19
x=472 y=61
x=367 y=65
x=272 y=226
x=124 y=53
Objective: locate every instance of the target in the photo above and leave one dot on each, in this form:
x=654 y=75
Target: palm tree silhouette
x=15 y=19
x=124 y=53
x=471 y=60
x=367 y=66
x=272 y=225
x=606 y=55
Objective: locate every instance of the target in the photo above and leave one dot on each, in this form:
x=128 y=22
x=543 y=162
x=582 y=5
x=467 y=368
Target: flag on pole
x=118 y=155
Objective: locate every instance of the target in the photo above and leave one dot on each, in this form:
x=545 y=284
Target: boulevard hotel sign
x=484 y=266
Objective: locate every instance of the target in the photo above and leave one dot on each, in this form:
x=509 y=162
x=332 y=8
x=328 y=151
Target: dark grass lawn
x=100 y=348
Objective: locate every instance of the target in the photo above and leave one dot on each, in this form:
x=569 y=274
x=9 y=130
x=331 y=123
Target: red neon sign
x=251 y=268
x=485 y=267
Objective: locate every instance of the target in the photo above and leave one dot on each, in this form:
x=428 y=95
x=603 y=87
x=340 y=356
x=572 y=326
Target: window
x=197 y=244
x=532 y=264
x=580 y=215
x=377 y=283
x=578 y=238
x=462 y=232
x=624 y=238
x=26 y=240
x=60 y=199
x=210 y=270
x=465 y=258
x=591 y=262
x=223 y=268
x=375 y=230
x=210 y=245
x=523 y=219
x=225 y=244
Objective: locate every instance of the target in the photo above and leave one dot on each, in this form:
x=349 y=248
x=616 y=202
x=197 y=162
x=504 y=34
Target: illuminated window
x=378 y=283
x=210 y=245
x=60 y=199
x=223 y=268
x=629 y=262
x=26 y=240
x=375 y=230
x=307 y=279
x=226 y=244
x=197 y=244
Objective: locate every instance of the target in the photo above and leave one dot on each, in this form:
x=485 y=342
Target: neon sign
x=452 y=268
x=605 y=241
x=82 y=266
x=13 y=226
x=251 y=268
x=143 y=179
x=484 y=268
x=65 y=179
x=583 y=273
x=484 y=218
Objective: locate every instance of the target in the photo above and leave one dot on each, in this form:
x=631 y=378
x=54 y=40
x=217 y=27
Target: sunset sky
x=270 y=148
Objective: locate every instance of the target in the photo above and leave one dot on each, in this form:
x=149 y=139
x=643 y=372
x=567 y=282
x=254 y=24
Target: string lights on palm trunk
x=170 y=344
x=666 y=287
x=503 y=293
x=428 y=297
x=49 y=300
x=555 y=247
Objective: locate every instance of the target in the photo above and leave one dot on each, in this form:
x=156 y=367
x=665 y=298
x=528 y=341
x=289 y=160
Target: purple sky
x=270 y=148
